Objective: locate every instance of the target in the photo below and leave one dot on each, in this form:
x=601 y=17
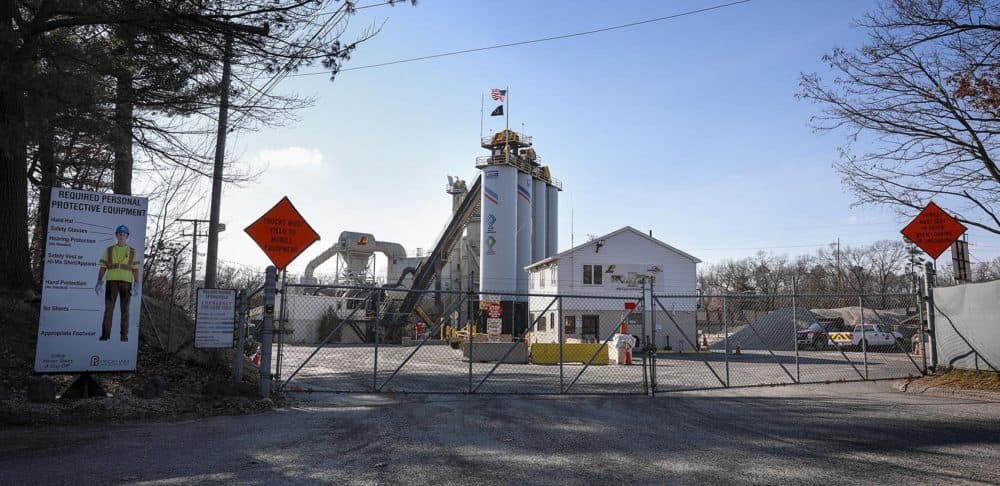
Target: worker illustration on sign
x=120 y=264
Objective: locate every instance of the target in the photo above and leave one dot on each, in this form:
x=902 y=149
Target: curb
x=914 y=386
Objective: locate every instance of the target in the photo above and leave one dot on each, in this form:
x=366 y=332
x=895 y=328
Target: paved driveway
x=834 y=434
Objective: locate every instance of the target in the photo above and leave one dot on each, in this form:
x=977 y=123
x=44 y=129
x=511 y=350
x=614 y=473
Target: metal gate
x=356 y=339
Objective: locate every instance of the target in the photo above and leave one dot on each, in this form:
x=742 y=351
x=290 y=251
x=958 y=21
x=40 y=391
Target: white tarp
x=215 y=318
x=967 y=320
x=81 y=227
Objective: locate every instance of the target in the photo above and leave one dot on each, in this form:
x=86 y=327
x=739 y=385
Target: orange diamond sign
x=282 y=233
x=933 y=230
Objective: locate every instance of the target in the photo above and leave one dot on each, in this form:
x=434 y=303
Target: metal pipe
x=864 y=334
x=795 y=333
x=725 y=327
x=562 y=339
x=929 y=289
x=241 y=324
x=267 y=330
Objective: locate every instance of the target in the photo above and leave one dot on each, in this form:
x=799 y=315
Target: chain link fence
x=365 y=339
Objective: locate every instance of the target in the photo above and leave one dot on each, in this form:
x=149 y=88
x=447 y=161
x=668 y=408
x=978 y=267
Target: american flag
x=498 y=94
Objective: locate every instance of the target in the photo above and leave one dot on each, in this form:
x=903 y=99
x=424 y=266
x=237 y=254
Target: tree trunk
x=47 y=162
x=15 y=268
x=124 y=99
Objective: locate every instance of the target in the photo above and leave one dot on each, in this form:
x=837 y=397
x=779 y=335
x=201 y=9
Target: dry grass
x=965 y=380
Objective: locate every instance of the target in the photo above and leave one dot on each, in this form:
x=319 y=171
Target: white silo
x=538 y=219
x=498 y=230
x=551 y=220
x=524 y=240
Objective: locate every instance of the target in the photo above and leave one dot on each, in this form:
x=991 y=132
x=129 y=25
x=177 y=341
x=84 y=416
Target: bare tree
x=140 y=107
x=919 y=102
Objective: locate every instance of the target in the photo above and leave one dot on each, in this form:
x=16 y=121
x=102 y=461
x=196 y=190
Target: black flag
x=498 y=111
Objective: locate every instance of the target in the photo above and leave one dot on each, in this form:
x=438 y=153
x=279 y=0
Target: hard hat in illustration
x=122 y=229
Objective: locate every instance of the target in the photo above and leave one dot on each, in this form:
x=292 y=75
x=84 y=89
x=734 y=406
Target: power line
x=532 y=41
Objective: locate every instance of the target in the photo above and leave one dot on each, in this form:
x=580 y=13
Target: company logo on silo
x=493 y=173
x=523 y=192
x=490 y=221
x=490 y=242
x=492 y=196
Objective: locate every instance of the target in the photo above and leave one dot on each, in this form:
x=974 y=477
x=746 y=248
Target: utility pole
x=212 y=257
x=194 y=258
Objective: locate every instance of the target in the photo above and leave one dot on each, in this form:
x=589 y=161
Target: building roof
x=553 y=259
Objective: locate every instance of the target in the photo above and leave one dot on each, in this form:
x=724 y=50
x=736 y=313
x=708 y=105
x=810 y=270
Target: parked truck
x=872 y=337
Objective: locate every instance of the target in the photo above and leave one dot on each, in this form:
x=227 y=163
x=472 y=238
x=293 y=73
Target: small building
x=598 y=278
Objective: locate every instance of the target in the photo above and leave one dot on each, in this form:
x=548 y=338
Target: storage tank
x=538 y=218
x=524 y=228
x=498 y=229
x=551 y=221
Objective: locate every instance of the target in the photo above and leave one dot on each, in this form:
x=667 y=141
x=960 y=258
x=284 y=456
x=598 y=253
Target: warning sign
x=492 y=308
x=493 y=326
x=282 y=233
x=933 y=230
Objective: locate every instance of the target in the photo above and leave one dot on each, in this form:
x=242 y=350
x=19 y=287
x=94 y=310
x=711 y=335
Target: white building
x=597 y=278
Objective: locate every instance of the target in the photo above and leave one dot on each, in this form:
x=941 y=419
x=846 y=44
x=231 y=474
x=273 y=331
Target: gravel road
x=852 y=433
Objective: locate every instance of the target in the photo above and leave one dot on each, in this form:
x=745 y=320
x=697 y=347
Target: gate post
x=267 y=330
x=562 y=340
x=929 y=273
x=241 y=326
x=864 y=335
x=725 y=327
x=795 y=332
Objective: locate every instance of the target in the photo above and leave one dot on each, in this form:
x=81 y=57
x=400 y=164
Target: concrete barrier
x=492 y=352
x=548 y=353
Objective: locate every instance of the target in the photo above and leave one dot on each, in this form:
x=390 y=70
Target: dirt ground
x=185 y=369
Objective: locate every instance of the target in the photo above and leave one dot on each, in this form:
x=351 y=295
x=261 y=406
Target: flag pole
x=482 y=108
x=506 y=109
x=506 y=112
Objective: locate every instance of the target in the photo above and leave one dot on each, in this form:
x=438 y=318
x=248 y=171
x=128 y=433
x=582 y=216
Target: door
x=590 y=327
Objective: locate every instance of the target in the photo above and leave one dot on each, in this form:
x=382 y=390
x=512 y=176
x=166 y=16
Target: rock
x=247 y=389
x=41 y=389
x=159 y=383
x=154 y=387
x=147 y=391
x=213 y=388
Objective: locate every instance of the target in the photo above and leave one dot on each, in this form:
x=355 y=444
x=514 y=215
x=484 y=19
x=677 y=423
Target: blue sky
x=688 y=127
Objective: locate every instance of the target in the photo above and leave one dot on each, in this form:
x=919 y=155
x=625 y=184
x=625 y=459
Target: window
x=554 y=271
x=531 y=281
x=552 y=320
x=570 y=324
x=541 y=323
x=592 y=275
x=541 y=279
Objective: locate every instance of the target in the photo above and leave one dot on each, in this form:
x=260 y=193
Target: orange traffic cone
x=738 y=350
x=704 y=341
x=256 y=358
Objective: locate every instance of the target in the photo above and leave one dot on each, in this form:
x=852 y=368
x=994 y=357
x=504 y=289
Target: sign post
x=283 y=234
x=933 y=230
